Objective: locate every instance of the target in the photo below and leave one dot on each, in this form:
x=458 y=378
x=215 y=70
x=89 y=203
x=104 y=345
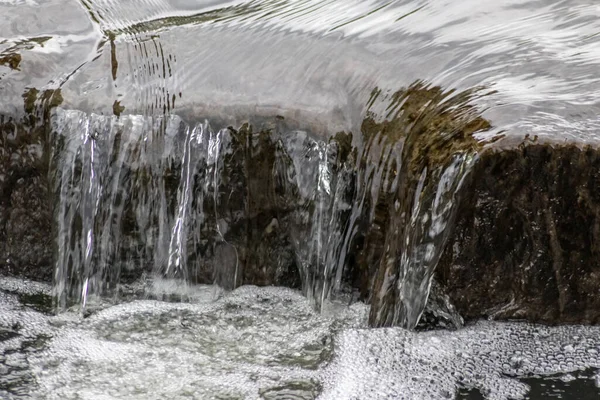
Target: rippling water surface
x=318 y=60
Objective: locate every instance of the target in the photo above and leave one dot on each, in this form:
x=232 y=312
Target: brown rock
x=527 y=239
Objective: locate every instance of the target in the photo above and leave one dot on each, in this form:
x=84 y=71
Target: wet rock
x=520 y=240
x=246 y=222
x=25 y=202
x=439 y=312
x=527 y=239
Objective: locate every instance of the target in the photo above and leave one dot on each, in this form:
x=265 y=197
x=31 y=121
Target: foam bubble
x=250 y=341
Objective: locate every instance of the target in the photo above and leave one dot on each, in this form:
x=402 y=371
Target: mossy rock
x=423 y=131
x=12 y=60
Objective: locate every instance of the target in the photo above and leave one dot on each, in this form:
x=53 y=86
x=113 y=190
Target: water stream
x=156 y=196
x=200 y=156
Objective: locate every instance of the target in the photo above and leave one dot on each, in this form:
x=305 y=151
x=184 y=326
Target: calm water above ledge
x=317 y=60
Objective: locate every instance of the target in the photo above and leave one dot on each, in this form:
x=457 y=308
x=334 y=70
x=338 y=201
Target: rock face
x=181 y=202
x=527 y=239
x=25 y=201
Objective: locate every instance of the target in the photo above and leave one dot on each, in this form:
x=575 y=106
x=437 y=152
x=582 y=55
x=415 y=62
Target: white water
x=265 y=342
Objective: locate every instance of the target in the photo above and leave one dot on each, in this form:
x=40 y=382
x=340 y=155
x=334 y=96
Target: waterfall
x=415 y=244
x=435 y=132
x=78 y=181
x=127 y=199
x=320 y=223
x=141 y=197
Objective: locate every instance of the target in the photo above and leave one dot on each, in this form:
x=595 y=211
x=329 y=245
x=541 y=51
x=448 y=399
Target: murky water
x=312 y=144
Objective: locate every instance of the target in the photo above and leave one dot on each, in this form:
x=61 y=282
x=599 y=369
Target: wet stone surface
x=526 y=242
x=272 y=206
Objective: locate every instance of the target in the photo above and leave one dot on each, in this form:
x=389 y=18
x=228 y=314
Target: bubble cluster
x=23 y=332
x=248 y=343
x=269 y=343
x=487 y=356
x=9 y=284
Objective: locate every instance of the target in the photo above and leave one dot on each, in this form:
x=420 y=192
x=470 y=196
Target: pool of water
x=269 y=343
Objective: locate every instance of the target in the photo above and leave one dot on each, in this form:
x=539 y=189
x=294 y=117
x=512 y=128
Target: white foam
x=246 y=341
x=253 y=340
x=394 y=363
x=24 y=286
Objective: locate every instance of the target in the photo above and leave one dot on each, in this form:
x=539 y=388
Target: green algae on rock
x=427 y=137
x=114 y=63
x=411 y=166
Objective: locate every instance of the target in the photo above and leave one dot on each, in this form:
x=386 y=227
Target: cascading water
x=155 y=196
x=128 y=199
x=437 y=152
x=320 y=222
x=139 y=195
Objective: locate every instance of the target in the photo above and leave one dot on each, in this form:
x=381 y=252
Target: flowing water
x=202 y=146
x=269 y=343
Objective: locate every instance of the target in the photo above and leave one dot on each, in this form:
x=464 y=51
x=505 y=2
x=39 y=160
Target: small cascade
x=79 y=181
x=435 y=130
x=154 y=197
x=425 y=237
x=127 y=199
x=319 y=224
x=415 y=243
